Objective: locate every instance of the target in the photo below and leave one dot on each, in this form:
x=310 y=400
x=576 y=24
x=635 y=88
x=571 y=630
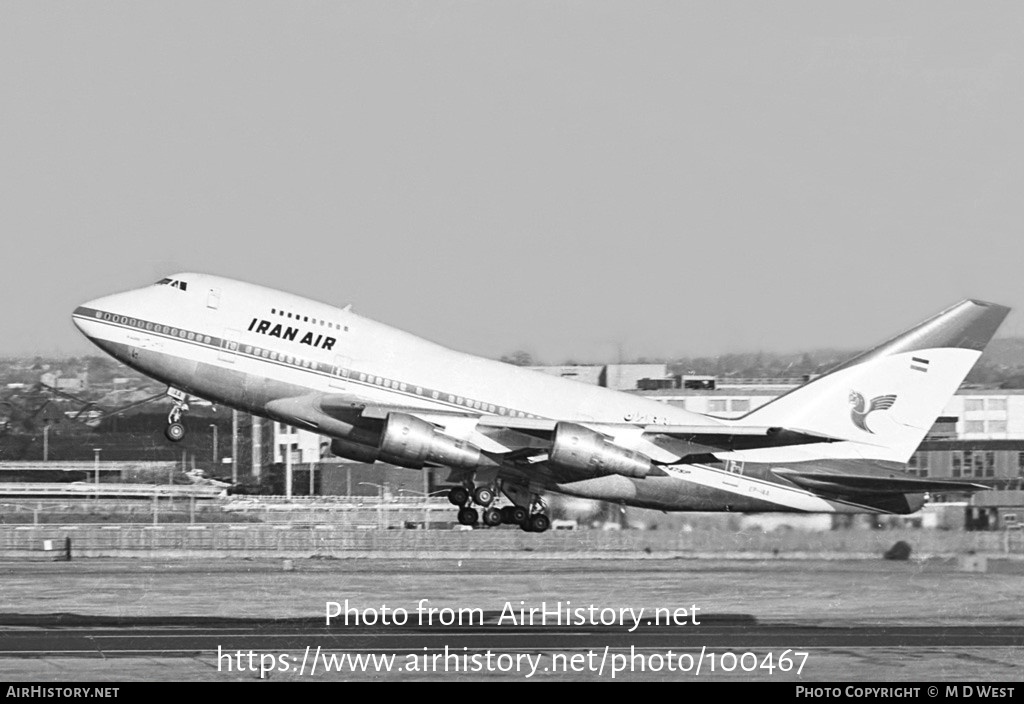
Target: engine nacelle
x=585 y=450
x=411 y=442
x=355 y=451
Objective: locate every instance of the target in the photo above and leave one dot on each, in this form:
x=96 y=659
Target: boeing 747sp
x=838 y=444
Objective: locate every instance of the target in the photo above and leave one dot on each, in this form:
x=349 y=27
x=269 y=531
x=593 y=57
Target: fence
x=106 y=490
x=334 y=541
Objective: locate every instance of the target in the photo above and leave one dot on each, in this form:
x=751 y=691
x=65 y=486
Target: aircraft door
x=229 y=346
x=340 y=371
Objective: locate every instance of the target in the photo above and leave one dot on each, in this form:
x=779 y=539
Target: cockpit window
x=173 y=283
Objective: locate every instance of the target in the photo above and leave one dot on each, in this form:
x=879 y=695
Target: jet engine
x=407 y=441
x=355 y=451
x=411 y=442
x=581 y=449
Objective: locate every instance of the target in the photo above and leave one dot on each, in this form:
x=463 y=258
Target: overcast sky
x=578 y=179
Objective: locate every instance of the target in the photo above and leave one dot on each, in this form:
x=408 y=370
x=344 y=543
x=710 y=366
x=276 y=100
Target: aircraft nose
x=89 y=316
x=78 y=323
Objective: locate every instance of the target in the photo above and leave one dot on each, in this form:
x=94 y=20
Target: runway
x=125 y=620
x=90 y=636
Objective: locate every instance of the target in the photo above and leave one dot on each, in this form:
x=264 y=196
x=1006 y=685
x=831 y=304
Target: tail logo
x=861 y=410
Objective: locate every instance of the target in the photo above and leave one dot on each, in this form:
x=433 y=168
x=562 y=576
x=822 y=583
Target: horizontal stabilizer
x=862 y=484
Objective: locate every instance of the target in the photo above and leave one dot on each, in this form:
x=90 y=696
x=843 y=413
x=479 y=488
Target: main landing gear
x=175 y=430
x=533 y=521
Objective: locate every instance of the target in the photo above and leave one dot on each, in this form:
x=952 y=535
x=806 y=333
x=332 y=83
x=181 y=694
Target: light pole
x=234 y=446
x=46 y=441
x=288 y=469
x=96 y=463
x=214 y=426
x=257 y=446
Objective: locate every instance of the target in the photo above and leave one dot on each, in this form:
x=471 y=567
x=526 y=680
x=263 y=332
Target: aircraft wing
x=499 y=434
x=526 y=442
x=334 y=414
x=720 y=437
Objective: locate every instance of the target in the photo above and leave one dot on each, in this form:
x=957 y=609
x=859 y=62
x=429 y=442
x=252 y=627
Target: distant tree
x=101 y=369
x=519 y=358
x=1013 y=382
x=983 y=373
x=805 y=365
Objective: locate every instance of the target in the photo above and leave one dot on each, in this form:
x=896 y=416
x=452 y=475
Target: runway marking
x=114 y=643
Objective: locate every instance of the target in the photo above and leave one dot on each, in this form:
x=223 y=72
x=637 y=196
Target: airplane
x=837 y=444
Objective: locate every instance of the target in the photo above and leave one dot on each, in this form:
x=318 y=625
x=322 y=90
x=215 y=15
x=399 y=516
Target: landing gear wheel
x=539 y=523
x=468 y=516
x=483 y=496
x=519 y=515
x=174 y=432
x=458 y=496
x=492 y=517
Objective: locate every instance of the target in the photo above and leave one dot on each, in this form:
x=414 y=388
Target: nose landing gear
x=175 y=430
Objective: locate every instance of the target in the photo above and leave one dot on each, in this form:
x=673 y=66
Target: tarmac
x=626 y=619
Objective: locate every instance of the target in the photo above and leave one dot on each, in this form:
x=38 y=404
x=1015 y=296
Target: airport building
x=980 y=414
x=621 y=377
x=303 y=446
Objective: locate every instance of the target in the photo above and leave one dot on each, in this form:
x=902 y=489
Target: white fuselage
x=263 y=333
x=262 y=350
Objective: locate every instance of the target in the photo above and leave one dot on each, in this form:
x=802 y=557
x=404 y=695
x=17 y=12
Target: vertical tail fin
x=887 y=399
